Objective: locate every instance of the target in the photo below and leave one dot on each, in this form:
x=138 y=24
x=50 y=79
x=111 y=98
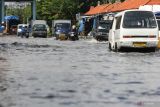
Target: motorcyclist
x=24 y=32
x=74 y=30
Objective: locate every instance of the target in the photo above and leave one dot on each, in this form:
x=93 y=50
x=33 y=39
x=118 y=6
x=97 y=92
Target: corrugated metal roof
x=126 y=5
x=97 y=9
x=11 y=17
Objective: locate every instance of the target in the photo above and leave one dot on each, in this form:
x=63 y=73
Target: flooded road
x=38 y=72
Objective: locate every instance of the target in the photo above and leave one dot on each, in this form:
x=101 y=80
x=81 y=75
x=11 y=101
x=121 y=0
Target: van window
x=118 y=22
x=39 y=27
x=158 y=21
x=139 y=19
x=104 y=26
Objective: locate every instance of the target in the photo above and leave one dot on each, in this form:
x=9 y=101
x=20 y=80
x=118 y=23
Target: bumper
x=139 y=44
x=61 y=36
x=58 y=35
x=19 y=33
x=39 y=34
x=101 y=37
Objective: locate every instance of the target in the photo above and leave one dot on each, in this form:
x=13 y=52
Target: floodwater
x=43 y=72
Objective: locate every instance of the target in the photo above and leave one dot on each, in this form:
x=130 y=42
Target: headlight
x=57 y=33
x=99 y=33
x=19 y=30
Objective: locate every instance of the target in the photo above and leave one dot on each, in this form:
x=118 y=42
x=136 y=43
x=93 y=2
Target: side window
x=118 y=22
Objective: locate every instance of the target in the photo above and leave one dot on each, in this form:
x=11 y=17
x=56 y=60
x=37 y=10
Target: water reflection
x=3 y=69
x=3 y=78
x=45 y=72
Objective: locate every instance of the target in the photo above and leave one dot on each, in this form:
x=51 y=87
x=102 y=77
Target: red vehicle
x=13 y=29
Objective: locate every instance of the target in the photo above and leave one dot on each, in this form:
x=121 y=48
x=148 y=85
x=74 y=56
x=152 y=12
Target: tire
x=109 y=46
x=154 y=49
x=27 y=36
x=77 y=38
x=116 y=48
x=21 y=35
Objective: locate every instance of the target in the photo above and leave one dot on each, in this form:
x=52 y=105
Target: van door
x=117 y=28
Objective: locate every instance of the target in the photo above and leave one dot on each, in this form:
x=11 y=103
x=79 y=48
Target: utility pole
x=109 y=1
x=99 y=3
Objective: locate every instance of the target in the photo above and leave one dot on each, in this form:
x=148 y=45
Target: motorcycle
x=25 y=33
x=73 y=36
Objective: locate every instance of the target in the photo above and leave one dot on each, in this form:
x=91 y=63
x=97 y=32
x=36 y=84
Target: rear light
x=139 y=36
x=152 y=36
x=127 y=36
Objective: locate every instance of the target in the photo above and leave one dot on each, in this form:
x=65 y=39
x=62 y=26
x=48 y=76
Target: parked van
x=101 y=30
x=134 y=29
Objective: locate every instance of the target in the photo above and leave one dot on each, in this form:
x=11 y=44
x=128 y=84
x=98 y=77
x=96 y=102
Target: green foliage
x=23 y=13
x=122 y=0
x=63 y=9
x=113 y=1
x=57 y=9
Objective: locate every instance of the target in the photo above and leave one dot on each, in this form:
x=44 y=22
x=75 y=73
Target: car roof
x=22 y=24
x=121 y=13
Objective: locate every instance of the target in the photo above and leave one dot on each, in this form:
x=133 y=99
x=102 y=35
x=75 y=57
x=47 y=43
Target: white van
x=133 y=29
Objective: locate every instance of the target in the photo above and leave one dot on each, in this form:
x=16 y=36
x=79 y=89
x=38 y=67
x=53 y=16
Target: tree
x=24 y=12
x=57 y=9
x=65 y=9
x=122 y=0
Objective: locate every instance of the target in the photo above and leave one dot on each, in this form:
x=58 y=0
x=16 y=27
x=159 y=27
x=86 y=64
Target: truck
x=11 y=23
x=61 y=29
x=39 y=28
x=33 y=22
x=101 y=30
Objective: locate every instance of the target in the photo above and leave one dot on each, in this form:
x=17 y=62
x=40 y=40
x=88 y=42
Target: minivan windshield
x=39 y=27
x=158 y=21
x=60 y=26
x=104 y=25
x=139 y=19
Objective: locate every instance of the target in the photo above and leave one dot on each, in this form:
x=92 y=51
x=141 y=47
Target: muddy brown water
x=43 y=72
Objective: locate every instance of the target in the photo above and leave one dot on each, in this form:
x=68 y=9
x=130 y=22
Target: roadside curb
x=1 y=34
x=4 y=34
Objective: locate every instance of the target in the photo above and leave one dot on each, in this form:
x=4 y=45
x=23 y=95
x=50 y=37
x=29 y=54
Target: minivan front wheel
x=109 y=46
x=116 y=48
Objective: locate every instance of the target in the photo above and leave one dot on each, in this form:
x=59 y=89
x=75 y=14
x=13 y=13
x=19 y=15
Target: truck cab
x=39 y=28
x=101 y=30
x=61 y=28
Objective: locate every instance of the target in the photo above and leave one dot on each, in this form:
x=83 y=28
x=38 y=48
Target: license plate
x=139 y=44
x=72 y=35
x=62 y=34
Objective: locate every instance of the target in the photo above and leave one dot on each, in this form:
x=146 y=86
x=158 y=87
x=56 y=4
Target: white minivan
x=133 y=29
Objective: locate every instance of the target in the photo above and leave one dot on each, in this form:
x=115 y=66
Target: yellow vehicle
x=158 y=21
